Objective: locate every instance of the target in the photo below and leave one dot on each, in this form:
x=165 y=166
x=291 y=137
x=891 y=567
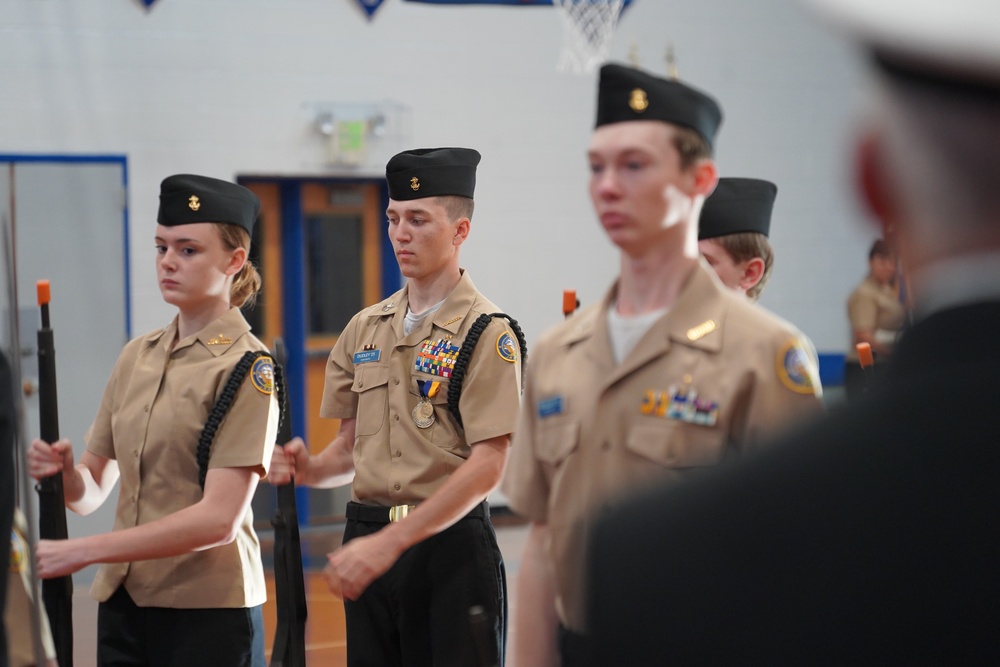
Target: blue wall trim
x=294 y=317
x=831 y=369
x=392 y=279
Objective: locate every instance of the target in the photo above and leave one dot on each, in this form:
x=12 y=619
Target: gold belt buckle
x=399 y=512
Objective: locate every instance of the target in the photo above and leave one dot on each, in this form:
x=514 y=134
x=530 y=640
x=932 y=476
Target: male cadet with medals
x=870 y=537
x=419 y=549
x=670 y=373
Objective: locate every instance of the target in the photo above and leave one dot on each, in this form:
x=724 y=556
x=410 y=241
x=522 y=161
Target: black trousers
x=417 y=613
x=133 y=636
x=574 y=648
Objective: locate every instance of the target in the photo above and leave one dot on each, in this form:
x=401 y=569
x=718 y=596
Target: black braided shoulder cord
x=225 y=402
x=465 y=354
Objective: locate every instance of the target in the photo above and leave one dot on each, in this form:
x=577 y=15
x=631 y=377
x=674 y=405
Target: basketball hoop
x=588 y=27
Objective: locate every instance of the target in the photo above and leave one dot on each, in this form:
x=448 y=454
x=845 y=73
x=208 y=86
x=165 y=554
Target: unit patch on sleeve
x=368 y=354
x=794 y=366
x=262 y=375
x=506 y=347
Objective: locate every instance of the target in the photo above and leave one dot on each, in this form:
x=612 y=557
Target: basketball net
x=588 y=27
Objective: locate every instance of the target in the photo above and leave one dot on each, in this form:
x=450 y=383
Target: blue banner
x=370 y=6
x=522 y=3
x=525 y=3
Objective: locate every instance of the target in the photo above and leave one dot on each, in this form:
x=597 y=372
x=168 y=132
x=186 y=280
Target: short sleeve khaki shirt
x=707 y=380
x=374 y=374
x=874 y=307
x=153 y=411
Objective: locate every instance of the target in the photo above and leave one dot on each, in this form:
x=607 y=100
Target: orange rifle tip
x=569 y=300
x=44 y=293
x=865 y=355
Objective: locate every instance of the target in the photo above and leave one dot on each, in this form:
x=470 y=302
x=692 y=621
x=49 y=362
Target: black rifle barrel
x=289 y=649
x=57 y=593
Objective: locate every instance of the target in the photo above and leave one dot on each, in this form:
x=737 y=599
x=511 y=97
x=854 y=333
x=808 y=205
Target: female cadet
x=182 y=581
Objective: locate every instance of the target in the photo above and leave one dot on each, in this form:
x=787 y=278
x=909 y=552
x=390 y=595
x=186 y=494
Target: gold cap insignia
x=703 y=329
x=638 y=101
x=414 y=183
x=194 y=203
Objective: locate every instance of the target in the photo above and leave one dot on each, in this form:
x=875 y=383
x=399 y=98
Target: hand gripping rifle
x=289 y=648
x=57 y=593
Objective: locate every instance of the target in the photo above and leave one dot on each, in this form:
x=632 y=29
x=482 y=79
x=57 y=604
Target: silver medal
x=423 y=414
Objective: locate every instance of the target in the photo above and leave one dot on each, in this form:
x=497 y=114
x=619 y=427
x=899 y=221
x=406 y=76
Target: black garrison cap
x=187 y=198
x=737 y=205
x=625 y=93
x=432 y=172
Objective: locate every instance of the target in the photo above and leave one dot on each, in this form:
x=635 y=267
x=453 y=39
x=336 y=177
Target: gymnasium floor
x=325 y=644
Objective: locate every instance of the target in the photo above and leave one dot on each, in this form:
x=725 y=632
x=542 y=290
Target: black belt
x=381 y=514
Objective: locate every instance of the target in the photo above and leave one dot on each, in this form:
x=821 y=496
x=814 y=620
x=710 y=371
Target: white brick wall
x=219 y=87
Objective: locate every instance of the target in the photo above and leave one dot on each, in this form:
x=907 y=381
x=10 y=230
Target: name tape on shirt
x=555 y=405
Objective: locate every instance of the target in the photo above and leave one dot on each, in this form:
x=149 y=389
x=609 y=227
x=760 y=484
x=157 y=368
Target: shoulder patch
x=793 y=366
x=506 y=347
x=262 y=375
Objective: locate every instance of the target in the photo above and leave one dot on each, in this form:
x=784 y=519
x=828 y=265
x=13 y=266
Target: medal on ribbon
x=423 y=411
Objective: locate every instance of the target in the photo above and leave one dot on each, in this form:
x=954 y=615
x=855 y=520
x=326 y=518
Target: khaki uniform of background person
x=876 y=315
x=182 y=559
x=19 y=609
x=409 y=584
x=710 y=374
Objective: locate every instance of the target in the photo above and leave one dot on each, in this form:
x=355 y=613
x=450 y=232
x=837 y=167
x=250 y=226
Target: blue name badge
x=366 y=356
x=551 y=406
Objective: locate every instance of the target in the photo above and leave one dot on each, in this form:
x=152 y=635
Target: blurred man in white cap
x=871 y=537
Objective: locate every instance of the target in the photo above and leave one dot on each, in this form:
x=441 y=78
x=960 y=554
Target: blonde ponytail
x=246 y=283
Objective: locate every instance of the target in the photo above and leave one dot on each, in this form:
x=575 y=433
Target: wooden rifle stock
x=57 y=593
x=289 y=648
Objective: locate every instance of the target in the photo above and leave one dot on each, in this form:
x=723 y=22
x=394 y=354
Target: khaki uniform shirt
x=874 y=307
x=153 y=411
x=373 y=374
x=707 y=380
x=20 y=608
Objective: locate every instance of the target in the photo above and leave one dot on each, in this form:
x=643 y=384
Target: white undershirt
x=626 y=332
x=412 y=321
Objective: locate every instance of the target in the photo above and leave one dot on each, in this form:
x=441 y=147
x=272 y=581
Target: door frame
x=287 y=200
x=97 y=158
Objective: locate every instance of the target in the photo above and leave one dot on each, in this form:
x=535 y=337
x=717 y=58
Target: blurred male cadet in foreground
x=670 y=373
